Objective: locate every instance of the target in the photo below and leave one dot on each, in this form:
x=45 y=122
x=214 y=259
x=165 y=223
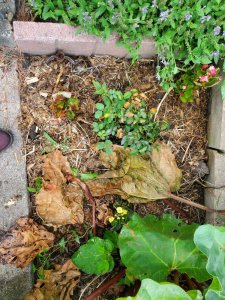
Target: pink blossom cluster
x=211 y=71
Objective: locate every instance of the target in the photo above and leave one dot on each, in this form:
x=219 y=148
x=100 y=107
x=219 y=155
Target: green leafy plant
x=83 y=176
x=65 y=107
x=95 y=256
x=38 y=186
x=153 y=248
x=211 y=241
x=152 y=290
x=125 y=118
x=201 y=76
x=186 y=32
x=53 y=144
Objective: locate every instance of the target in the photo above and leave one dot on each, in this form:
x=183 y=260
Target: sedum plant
x=124 y=118
x=186 y=32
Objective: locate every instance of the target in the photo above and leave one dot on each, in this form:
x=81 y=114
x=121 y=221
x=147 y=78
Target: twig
x=87 y=286
x=197 y=205
x=105 y=286
x=88 y=195
x=161 y=102
x=186 y=151
x=175 y=208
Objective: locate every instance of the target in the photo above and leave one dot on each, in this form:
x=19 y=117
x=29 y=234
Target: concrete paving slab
x=215 y=198
x=14 y=283
x=216 y=164
x=6 y=35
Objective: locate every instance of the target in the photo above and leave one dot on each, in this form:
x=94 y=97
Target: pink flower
x=204 y=78
x=184 y=87
x=212 y=70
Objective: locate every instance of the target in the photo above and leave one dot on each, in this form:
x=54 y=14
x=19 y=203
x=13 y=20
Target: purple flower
x=33 y=3
x=136 y=25
x=86 y=18
x=217 y=30
x=144 y=10
x=188 y=17
x=164 y=15
x=205 y=19
x=224 y=33
x=215 y=54
x=110 y=3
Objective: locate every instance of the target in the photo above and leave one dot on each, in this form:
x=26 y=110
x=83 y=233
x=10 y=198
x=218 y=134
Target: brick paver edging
x=46 y=38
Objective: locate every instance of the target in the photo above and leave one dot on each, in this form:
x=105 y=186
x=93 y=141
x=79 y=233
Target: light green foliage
x=151 y=290
x=53 y=144
x=95 y=256
x=124 y=117
x=211 y=241
x=38 y=186
x=152 y=248
x=186 y=31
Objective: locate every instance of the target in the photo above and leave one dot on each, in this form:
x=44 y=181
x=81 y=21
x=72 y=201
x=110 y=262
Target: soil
x=186 y=136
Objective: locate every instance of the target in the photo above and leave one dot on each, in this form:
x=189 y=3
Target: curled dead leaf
x=58 y=283
x=23 y=242
x=103 y=213
x=59 y=203
x=60 y=206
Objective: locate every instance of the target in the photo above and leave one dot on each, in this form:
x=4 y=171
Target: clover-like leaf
x=152 y=248
x=95 y=256
x=211 y=241
x=152 y=290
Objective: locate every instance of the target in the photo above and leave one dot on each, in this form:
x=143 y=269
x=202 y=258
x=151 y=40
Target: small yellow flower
x=124 y=212
x=153 y=110
x=111 y=219
x=119 y=210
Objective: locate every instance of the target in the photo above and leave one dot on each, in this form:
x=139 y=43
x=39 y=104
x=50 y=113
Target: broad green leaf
x=87 y=176
x=98 y=114
x=211 y=241
x=95 y=256
x=31 y=189
x=127 y=95
x=151 y=290
x=152 y=248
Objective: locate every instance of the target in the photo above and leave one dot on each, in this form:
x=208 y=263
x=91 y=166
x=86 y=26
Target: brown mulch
x=188 y=121
x=186 y=136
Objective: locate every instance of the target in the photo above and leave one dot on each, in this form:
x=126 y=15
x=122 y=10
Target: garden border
x=36 y=38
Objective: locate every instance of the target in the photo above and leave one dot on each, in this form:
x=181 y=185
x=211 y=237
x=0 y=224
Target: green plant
x=95 y=256
x=64 y=107
x=201 y=76
x=211 y=241
x=153 y=248
x=151 y=290
x=186 y=32
x=125 y=118
x=53 y=144
x=38 y=186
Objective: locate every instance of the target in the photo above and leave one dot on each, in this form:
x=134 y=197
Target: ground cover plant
x=60 y=189
x=187 y=33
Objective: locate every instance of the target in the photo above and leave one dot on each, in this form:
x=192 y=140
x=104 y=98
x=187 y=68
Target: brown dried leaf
x=58 y=203
x=58 y=283
x=55 y=166
x=136 y=179
x=103 y=213
x=23 y=242
x=60 y=206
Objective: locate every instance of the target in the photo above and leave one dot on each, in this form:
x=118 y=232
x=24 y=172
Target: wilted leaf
x=58 y=283
x=211 y=241
x=23 y=242
x=60 y=206
x=136 y=179
x=95 y=256
x=152 y=247
x=151 y=290
x=103 y=213
x=55 y=167
x=59 y=203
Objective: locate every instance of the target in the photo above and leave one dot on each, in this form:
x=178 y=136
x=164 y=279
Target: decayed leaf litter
x=78 y=136
x=187 y=140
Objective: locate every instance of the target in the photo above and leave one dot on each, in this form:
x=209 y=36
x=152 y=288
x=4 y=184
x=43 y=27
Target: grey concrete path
x=7 y=10
x=14 y=283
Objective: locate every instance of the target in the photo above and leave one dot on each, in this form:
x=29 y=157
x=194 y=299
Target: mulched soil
x=186 y=136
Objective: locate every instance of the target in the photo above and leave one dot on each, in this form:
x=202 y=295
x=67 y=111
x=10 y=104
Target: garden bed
x=41 y=77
